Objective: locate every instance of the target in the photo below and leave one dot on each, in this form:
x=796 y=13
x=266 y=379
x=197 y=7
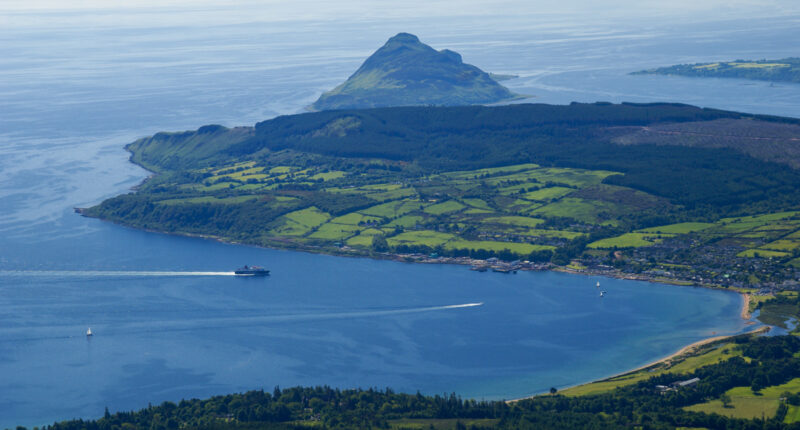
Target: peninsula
x=407 y=72
x=665 y=192
x=783 y=70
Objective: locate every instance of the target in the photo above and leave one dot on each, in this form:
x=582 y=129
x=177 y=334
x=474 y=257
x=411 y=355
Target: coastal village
x=716 y=267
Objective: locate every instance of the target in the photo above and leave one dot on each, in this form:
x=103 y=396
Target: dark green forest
x=473 y=137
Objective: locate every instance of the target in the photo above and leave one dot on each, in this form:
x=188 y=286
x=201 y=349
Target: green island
x=783 y=70
x=629 y=190
x=740 y=382
x=407 y=72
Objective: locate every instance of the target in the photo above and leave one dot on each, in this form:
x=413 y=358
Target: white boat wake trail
x=101 y=273
x=256 y=320
x=114 y=328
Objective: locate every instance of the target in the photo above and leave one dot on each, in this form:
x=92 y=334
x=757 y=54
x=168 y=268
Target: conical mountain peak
x=405 y=38
x=406 y=72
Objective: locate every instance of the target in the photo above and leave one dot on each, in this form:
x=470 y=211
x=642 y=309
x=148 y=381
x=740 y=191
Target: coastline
x=347 y=251
x=746 y=314
x=688 y=349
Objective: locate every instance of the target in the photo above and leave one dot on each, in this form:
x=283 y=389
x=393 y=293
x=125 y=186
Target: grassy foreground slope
x=535 y=182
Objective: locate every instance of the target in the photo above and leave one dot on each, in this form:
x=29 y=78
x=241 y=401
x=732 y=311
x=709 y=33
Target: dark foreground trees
x=770 y=361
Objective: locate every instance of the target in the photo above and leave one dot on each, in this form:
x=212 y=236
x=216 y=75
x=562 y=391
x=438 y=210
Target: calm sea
x=170 y=323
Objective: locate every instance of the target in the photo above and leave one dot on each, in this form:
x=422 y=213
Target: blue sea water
x=169 y=320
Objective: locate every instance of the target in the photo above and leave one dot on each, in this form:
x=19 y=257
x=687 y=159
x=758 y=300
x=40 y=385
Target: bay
x=75 y=87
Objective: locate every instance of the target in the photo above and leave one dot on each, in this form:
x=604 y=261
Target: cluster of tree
x=241 y=221
x=248 y=219
x=640 y=405
x=480 y=254
x=779 y=309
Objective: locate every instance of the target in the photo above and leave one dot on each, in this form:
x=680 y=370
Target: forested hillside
x=530 y=182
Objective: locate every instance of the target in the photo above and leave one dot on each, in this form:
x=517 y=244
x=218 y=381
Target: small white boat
x=89 y=332
x=602 y=293
x=598 y=284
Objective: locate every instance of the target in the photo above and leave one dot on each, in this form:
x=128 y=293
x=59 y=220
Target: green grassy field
x=747 y=404
x=750 y=65
x=287 y=227
x=364 y=239
x=763 y=219
x=309 y=217
x=519 y=248
x=410 y=206
x=741 y=407
x=474 y=174
x=579 y=209
x=780 y=230
x=763 y=253
x=444 y=207
x=782 y=245
x=680 y=228
x=627 y=240
x=423 y=237
x=563 y=234
x=792 y=415
x=355 y=218
x=680 y=365
x=335 y=232
x=210 y=199
x=477 y=203
x=546 y=194
x=407 y=221
x=299 y=223
x=513 y=221
x=328 y=176
x=493 y=209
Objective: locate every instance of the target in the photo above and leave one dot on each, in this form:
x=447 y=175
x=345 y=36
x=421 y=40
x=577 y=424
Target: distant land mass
x=407 y=72
x=783 y=70
x=661 y=191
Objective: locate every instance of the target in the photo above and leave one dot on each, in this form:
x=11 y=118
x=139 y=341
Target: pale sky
x=317 y=9
x=21 y=14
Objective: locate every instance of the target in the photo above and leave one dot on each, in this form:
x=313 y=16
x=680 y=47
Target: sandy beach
x=688 y=349
x=746 y=306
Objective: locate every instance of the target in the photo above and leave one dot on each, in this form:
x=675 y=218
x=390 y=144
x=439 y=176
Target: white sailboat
x=89 y=332
x=598 y=284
